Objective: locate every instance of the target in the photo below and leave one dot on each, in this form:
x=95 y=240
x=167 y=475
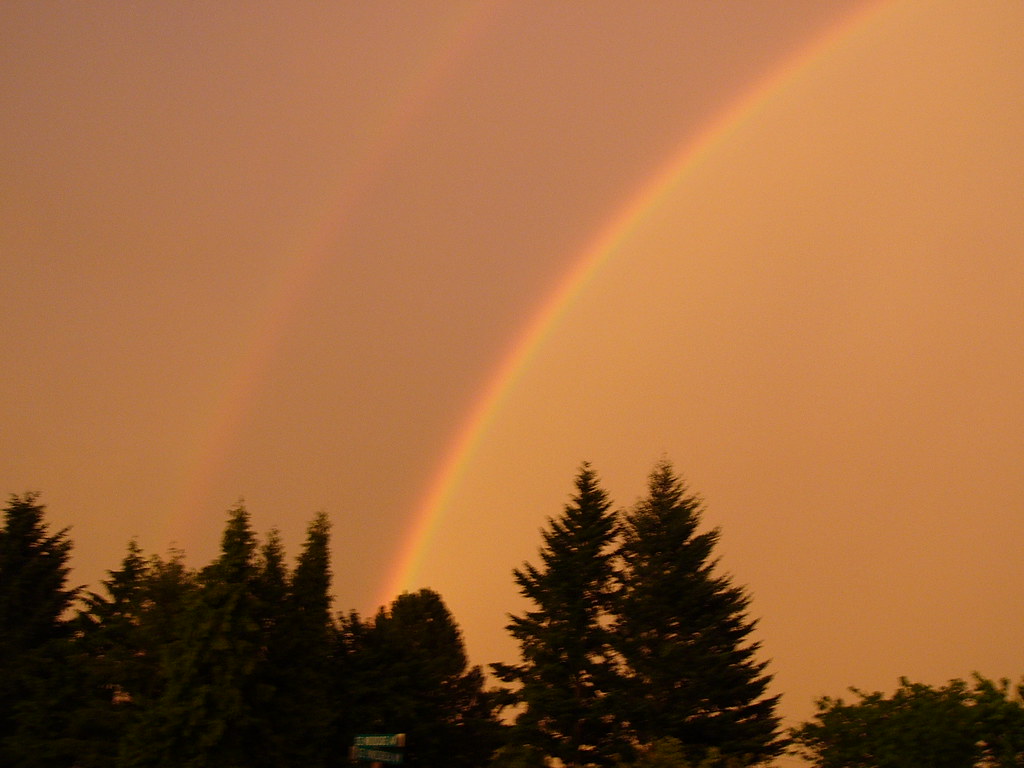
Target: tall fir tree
x=270 y=592
x=684 y=635
x=33 y=576
x=208 y=711
x=38 y=675
x=568 y=670
x=122 y=635
x=353 y=688
x=109 y=637
x=305 y=695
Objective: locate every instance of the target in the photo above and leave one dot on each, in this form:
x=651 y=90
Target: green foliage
x=999 y=720
x=683 y=635
x=517 y=755
x=241 y=664
x=953 y=726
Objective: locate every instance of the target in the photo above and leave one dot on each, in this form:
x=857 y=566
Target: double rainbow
x=462 y=30
x=617 y=228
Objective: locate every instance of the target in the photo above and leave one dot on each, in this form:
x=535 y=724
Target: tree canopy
x=636 y=651
x=410 y=675
x=956 y=725
x=635 y=639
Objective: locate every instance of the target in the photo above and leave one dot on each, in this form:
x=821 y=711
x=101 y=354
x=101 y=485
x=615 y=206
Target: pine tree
x=304 y=695
x=109 y=639
x=270 y=592
x=126 y=635
x=567 y=671
x=207 y=712
x=270 y=587
x=353 y=689
x=683 y=633
x=115 y=661
x=37 y=681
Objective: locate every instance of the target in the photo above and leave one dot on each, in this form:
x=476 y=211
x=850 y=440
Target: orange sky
x=279 y=256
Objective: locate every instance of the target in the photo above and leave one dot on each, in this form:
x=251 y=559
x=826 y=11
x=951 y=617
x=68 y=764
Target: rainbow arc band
x=691 y=152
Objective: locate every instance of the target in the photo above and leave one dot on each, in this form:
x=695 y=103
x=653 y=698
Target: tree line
x=239 y=664
x=635 y=652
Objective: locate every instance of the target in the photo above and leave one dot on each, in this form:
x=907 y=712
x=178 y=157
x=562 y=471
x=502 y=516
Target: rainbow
x=616 y=229
x=238 y=388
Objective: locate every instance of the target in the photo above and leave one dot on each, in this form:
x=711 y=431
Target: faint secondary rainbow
x=598 y=250
x=238 y=390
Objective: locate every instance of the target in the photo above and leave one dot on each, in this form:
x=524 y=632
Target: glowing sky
x=326 y=257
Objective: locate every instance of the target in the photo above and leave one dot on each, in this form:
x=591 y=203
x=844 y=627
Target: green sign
x=378 y=747
x=368 y=755
x=379 y=740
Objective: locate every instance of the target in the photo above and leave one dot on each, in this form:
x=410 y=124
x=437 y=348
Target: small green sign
x=367 y=755
x=379 y=740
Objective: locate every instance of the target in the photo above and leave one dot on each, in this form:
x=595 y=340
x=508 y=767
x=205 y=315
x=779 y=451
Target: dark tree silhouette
x=304 y=661
x=39 y=679
x=684 y=636
x=208 y=710
x=956 y=725
x=409 y=674
x=567 y=674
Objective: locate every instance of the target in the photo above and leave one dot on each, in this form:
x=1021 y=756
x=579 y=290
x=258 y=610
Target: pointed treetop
x=311 y=580
x=238 y=547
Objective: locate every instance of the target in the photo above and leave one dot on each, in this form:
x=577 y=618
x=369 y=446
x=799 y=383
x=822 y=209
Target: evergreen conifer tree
x=122 y=639
x=109 y=638
x=170 y=588
x=304 y=694
x=270 y=592
x=125 y=638
x=207 y=713
x=352 y=692
x=568 y=672
x=37 y=680
x=271 y=582
x=683 y=633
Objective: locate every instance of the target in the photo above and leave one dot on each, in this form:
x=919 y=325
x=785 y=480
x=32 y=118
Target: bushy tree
x=684 y=636
x=956 y=725
x=999 y=720
x=411 y=675
x=567 y=676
